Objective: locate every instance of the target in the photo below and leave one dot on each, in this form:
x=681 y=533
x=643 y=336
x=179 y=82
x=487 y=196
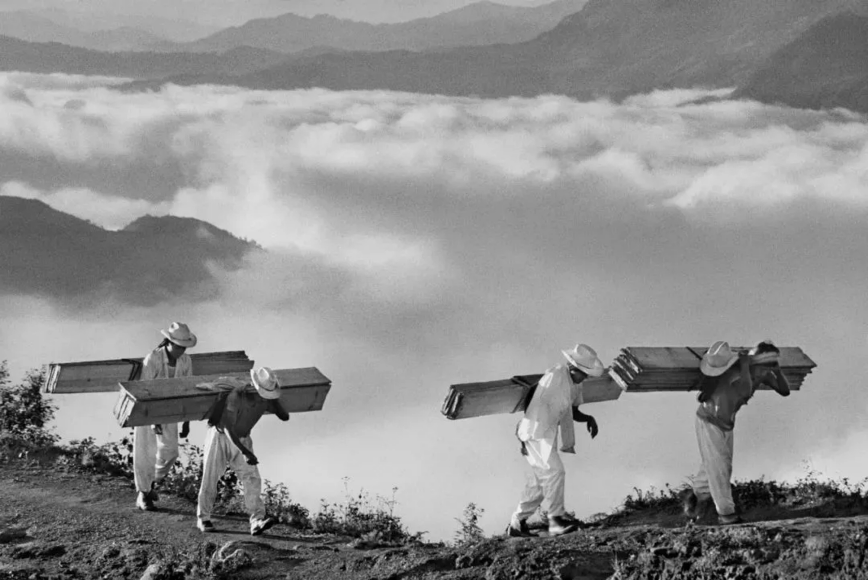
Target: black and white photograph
x=433 y=289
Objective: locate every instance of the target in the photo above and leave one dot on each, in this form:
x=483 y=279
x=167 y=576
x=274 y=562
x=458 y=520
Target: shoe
x=559 y=525
x=521 y=530
x=729 y=519
x=144 y=502
x=262 y=526
x=688 y=503
x=205 y=526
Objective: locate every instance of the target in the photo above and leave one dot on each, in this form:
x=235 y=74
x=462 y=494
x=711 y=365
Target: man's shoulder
x=153 y=356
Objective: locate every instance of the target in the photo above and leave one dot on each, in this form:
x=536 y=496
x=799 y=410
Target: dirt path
x=77 y=526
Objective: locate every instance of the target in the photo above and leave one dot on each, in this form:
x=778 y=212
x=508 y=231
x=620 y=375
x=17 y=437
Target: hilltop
x=63 y=522
x=53 y=253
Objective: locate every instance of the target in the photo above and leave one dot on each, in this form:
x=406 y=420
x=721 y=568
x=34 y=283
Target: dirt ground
x=72 y=526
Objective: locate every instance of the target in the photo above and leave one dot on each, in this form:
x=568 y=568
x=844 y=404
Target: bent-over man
x=228 y=443
x=725 y=389
x=554 y=405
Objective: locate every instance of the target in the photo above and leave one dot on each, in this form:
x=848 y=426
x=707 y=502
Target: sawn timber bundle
x=104 y=376
x=506 y=396
x=167 y=401
x=639 y=369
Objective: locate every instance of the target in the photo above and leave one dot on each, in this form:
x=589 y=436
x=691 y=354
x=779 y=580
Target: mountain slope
x=611 y=47
x=51 y=253
x=482 y=23
x=825 y=67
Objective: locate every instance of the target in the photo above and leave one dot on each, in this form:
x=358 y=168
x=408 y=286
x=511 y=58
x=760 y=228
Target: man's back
x=243 y=410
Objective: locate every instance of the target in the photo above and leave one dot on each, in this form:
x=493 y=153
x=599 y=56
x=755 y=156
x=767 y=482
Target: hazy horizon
x=217 y=14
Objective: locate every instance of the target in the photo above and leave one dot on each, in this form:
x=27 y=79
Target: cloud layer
x=418 y=241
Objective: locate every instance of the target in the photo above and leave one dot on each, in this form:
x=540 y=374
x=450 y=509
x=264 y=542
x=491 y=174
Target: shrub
x=24 y=415
x=358 y=517
x=469 y=531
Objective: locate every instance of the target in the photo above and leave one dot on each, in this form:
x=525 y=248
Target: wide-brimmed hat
x=585 y=358
x=179 y=334
x=764 y=352
x=717 y=359
x=265 y=382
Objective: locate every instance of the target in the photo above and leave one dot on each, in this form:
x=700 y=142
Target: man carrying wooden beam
x=555 y=404
x=724 y=390
x=155 y=448
x=228 y=443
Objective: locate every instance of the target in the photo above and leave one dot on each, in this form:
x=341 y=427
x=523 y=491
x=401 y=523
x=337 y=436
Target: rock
x=26 y=550
x=152 y=572
x=463 y=561
x=817 y=544
x=12 y=534
x=231 y=557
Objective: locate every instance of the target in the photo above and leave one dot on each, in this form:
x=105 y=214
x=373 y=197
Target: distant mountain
x=478 y=24
x=825 y=67
x=19 y=55
x=32 y=27
x=174 y=29
x=50 y=253
x=387 y=11
x=611 y=47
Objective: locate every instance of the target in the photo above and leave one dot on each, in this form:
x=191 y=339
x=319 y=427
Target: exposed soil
x=71 y=526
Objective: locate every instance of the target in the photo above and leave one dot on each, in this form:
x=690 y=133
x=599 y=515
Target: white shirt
x=551 y=407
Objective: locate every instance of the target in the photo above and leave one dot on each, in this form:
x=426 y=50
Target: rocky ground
x=69 y=525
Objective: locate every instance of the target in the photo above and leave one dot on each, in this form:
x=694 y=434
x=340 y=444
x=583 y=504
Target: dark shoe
x=144 y=502
x=559 y=525
x=153 y=493
x=729 y=519
x=688 y=503
x=262 y=526
x=521 y=530
x=205 y=526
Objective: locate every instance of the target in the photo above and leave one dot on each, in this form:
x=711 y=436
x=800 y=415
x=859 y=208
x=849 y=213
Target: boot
x=688 y=503
x=559 y=525
x=144 y=502
x=518 y=528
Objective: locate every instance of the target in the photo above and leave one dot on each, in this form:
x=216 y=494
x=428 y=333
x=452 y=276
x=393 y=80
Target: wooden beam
x=505 y=396
x=104 y=376
x=164 y=401
x=648 y=369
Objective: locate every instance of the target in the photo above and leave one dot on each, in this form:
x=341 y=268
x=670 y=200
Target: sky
x=222 y=13
x=418 y=241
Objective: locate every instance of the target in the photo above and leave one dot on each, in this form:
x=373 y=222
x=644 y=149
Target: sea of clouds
x=416 y=241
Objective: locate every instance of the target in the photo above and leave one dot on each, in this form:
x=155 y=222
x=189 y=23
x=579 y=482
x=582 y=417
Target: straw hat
x=717 y=359
x=179 y=334
x=585 y=358
x=265 y=382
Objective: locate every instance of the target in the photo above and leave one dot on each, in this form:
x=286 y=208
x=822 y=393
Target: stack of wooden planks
x=104 y=376
x=506 y=396
x=166 y=401
x=639 y=369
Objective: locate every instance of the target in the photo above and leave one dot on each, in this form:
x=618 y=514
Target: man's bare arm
x=584 y=418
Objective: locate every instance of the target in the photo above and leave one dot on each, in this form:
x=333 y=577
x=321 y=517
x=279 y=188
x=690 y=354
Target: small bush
x=469 y=531
x=24 y=415
x=358 y=517
x=665 y=498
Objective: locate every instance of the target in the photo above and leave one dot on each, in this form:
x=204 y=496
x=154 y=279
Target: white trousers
x=220 y=452
x=544 y=483
x=153 y=455
x=715 y=472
